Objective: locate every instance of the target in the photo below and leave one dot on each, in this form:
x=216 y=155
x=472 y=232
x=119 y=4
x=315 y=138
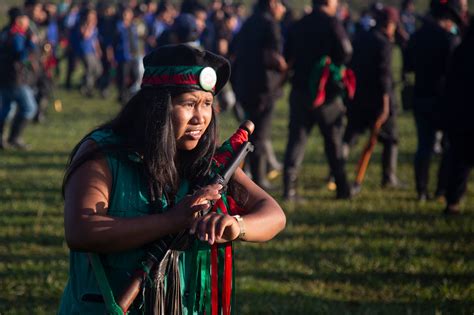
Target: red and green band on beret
x=197 y=76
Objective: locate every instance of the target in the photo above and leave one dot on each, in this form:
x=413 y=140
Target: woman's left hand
x=215 y=228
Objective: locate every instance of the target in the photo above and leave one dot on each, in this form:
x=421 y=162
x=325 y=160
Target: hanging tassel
x=173 y=294
x=156 y=298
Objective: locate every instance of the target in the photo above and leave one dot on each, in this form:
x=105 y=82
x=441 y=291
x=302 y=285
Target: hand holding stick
x=162 y=246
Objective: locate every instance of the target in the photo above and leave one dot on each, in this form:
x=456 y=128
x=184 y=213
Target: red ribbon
x=321 y=94
x=185 y=79
x=227 y=280
x=349 y=81
x=227 y=277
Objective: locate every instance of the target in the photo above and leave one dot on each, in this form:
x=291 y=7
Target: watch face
x=208 y=79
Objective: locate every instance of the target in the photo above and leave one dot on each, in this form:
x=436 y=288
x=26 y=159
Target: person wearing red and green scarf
x=317 y=47
x=138 y=179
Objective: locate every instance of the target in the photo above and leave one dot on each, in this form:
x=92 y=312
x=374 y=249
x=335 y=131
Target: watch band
x=241 y=223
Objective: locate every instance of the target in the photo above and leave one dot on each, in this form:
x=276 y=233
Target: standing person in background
x=316 y=37
x=465 y=16
x=407 y=28
x=106 y=26
x=48 y=44
x=16 y=49
x=408 y=16
x=125 y=50
x=223 y=38
x=258 y=76
x=183 y=31
x=427 y=55
x=344 y=16
x=374 y=105
x=71 y=25
x=458 y=111
x=150 y=11
x=89 y=52
x=162 y=21
x=200 y=13
x=37 y=14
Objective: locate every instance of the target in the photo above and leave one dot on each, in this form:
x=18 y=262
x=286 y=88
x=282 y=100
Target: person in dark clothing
x=427 y=55
x=316 y=36
x=258 y=76
x=16 y=47
x=458 y=111
x=106 y=27
x=71 y=21
x=125 y=51
x=373 y=104
x=223 y=37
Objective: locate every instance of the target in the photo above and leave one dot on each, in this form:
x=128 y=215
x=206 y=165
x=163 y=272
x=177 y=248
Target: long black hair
x=145 y=126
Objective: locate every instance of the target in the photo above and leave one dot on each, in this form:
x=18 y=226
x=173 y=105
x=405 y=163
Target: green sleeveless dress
x=129 y=198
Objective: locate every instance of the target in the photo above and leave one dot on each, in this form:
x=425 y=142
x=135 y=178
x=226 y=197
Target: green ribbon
x=172 y=70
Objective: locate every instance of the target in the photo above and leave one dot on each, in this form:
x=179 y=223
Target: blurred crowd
x=339 y=67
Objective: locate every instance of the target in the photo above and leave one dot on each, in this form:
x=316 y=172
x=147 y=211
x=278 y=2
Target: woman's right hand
x=185 y=211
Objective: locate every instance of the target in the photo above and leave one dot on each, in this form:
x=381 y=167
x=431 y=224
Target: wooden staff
x=366 y=155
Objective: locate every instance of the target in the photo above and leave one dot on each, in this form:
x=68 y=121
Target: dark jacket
x=15 y=50
x=427 y=55
x=372 y=65
x=311 y=38
x=253 y=75
x=458 y=106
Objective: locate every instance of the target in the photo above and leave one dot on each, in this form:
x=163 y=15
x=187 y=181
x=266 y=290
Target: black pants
x=260 y=113
x=303 y=117
x=71 y=66
x=426 y=128
x=461 y=160
x=127 y=74
x=359 y=121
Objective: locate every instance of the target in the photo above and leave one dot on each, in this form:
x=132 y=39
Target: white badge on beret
x=207 y=79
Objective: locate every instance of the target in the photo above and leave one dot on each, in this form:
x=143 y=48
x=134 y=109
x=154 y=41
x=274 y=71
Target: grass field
x=381 y=253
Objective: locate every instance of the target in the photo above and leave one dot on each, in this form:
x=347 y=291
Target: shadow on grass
x=41 y=239
x=28 y=304
x=34 y=154
x=372 y=279
x=296 y=303
x=27 y=167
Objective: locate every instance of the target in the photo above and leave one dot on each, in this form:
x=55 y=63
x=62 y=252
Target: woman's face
x=191 y=115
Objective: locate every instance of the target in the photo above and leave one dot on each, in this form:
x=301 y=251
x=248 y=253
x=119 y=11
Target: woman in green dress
x=132 y=181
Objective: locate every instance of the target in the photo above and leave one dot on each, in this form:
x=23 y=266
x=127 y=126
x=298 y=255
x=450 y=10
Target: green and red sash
x=326 y=70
